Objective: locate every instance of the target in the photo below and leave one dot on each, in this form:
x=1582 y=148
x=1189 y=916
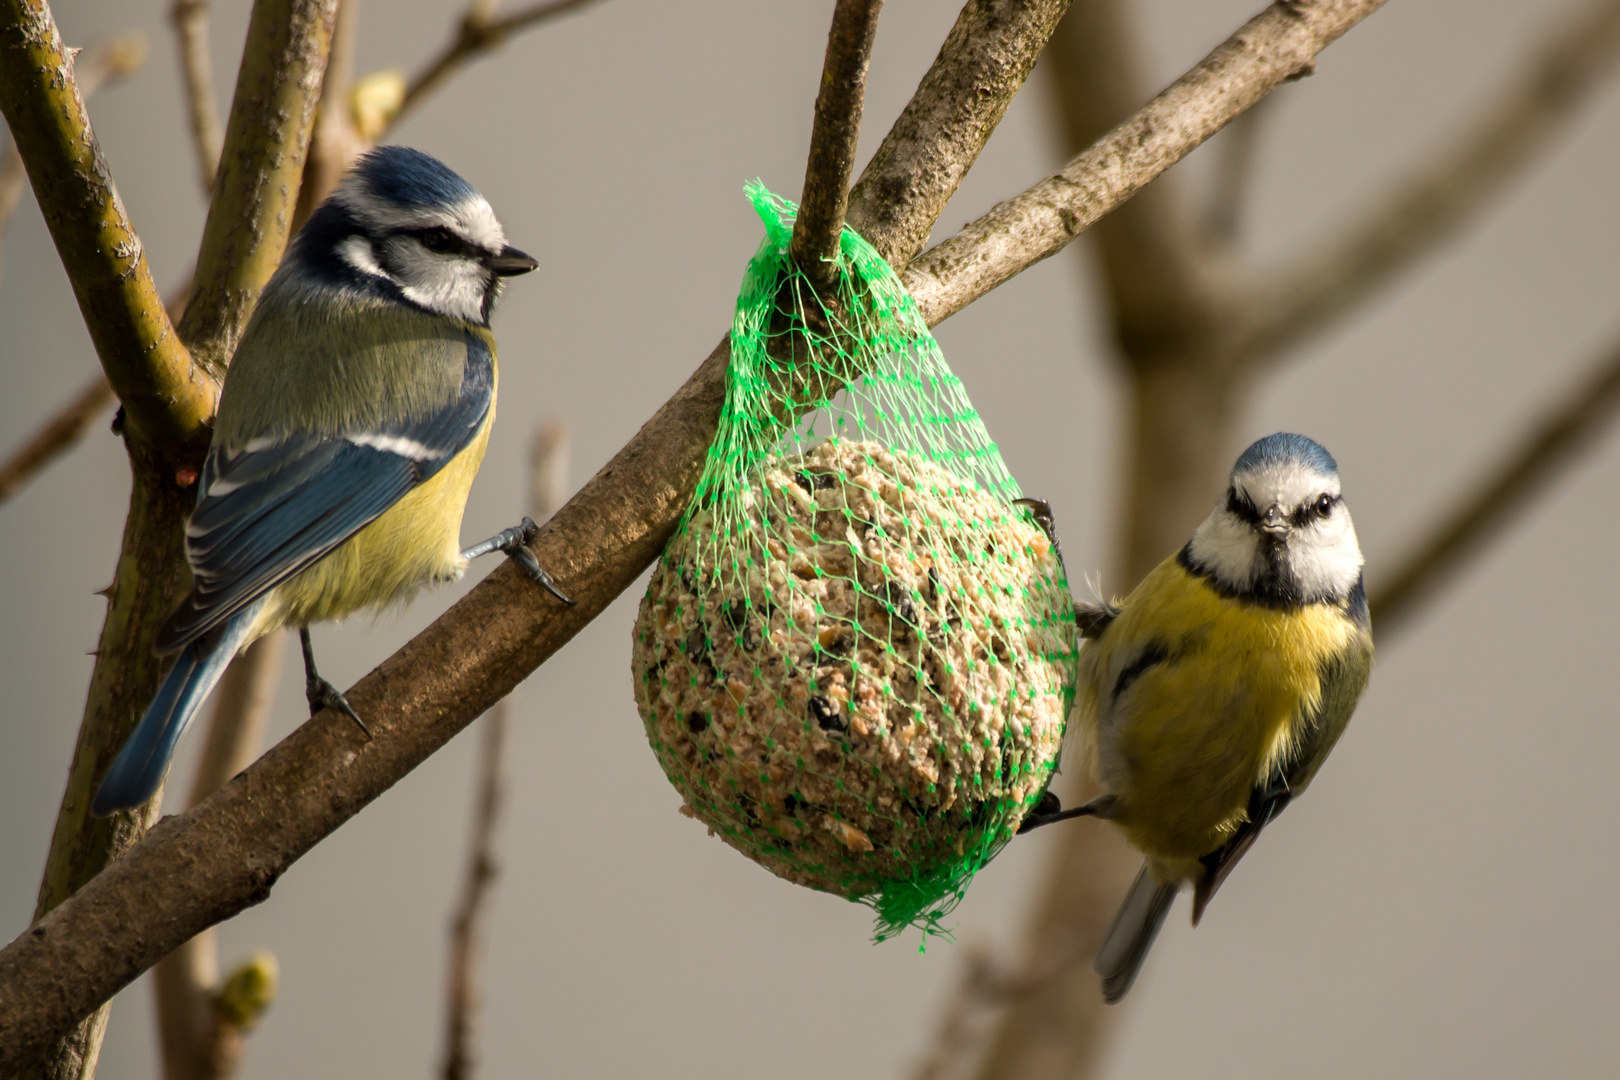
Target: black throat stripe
x=1277 y=588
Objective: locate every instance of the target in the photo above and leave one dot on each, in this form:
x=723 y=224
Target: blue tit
x=1210 y=696
x=352 y=420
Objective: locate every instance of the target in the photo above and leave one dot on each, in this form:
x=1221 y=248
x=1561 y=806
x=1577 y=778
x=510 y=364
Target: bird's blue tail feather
x=138 y=771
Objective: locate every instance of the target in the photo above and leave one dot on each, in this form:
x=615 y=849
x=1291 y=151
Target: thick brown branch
x=1336 y=274
x=93 y=403
x=1279 y=44
x=235 y=845
x=1561 y=436
x=190 y=19
x=199 y=1042
x=260 y=168
x=166 y=400
x=95 y=67
x=478 y=34
x=920 y=163
x=833 y=138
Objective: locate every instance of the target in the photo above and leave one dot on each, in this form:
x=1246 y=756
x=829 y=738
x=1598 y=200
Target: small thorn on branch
x=833 y=140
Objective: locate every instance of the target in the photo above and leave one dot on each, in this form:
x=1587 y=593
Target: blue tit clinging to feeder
x=353 y=419
x=1210 y=696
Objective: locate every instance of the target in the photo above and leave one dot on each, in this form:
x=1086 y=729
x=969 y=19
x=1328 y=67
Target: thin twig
x=94 y=402
x=479 y=33
x=235 y=845
x=1275 y=46
x=190 y=19
x=833 y=138
x=467 y=928
x=164 y=398
x=71 y=422
x=548 y=484
x=335 y=144
x=1447 y=192
x=1562 y=435
x=260 y=168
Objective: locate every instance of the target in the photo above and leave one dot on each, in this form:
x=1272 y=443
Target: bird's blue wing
x=272 y=508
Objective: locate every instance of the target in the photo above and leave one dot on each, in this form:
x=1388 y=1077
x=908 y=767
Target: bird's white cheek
x=1326 y=559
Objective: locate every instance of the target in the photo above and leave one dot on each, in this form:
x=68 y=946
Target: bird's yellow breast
x=1219 y=690
x=414 y=543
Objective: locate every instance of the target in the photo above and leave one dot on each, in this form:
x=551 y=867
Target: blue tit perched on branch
x=352 y=421
x=1210 y=696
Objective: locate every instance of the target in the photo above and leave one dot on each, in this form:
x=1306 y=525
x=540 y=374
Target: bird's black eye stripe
x=1241 y=507
x=441 y=241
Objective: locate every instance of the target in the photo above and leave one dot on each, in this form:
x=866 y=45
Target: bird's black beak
x=511 y=262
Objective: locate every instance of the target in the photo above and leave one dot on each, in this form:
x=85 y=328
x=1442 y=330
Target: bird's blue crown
x=407 y=177
x=1284 y=448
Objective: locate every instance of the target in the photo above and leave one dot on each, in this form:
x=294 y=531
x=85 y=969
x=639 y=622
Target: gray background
x=1439 y=906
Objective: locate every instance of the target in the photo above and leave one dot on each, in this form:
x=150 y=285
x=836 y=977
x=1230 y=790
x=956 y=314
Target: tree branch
x=235 y=845
x=260 y=168
x=1234 y=174
x=833 y=139
x=984 y=61
x=335 y=144
x=190 y=19
x=479 y=33
x=1164 y=291
x=1558 y=439
x=199 y=1041
x=283 y=57
x=166 y=400
x=90 y=404
x=1275 y=46
x=467 y=927
x=1440 y=197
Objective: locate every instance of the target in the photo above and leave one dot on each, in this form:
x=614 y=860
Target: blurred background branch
x=548 y=487
x=1555 y=443
x=1508 y=135
x=190 y=20
x=480 y=32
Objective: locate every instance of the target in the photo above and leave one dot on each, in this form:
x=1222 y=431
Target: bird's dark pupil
x=1324 y=506
x=437 y=240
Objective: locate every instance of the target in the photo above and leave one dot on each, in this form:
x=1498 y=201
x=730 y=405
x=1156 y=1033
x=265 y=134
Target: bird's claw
x=323 y=695
x=1041 y=511
x=514 y=542
x=1050 y=810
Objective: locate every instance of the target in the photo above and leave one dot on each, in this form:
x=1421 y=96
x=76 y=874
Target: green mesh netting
x=856 y=657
